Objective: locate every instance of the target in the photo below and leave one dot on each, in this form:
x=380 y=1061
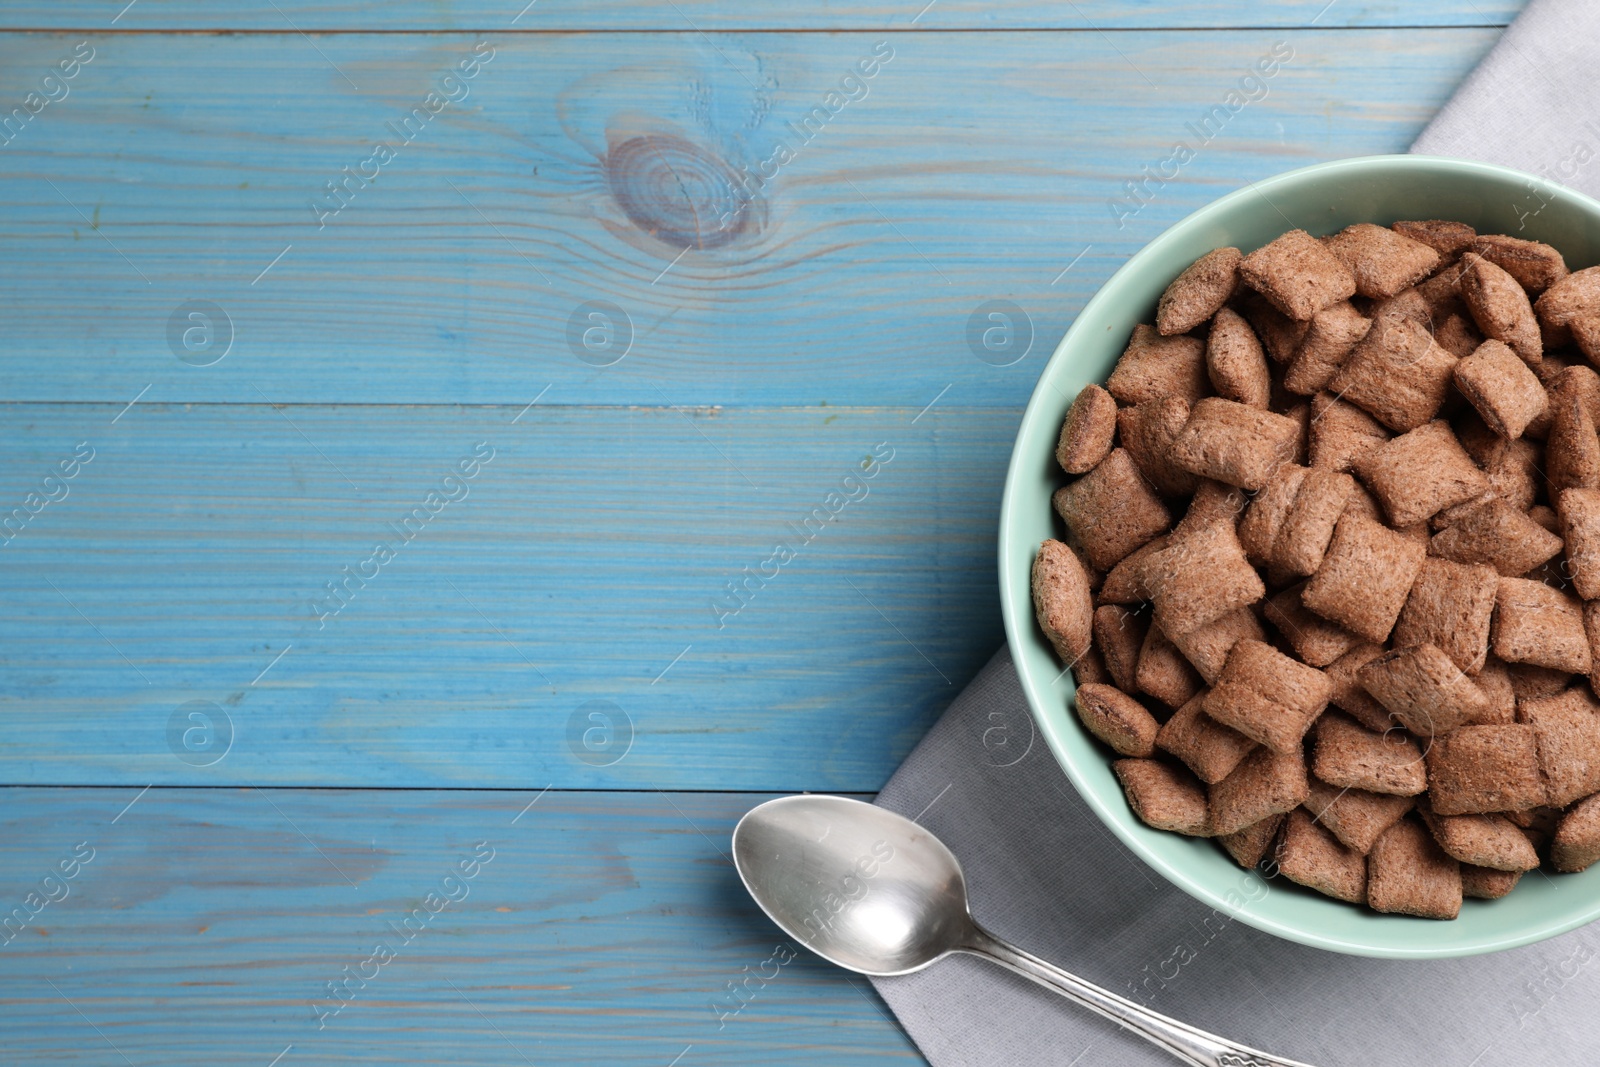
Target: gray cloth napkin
x=1534 y=102
x=1044 y=872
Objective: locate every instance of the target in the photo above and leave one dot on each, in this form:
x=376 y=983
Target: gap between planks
x=446 y=405
x=437 y=789
x=518 y=31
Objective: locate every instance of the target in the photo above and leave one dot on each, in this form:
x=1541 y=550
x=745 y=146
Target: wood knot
x=678 y=192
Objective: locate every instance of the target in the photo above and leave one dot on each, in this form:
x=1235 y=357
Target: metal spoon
x=877 y=894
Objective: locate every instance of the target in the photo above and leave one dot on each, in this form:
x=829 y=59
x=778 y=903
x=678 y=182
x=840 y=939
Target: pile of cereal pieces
x=1332 y=559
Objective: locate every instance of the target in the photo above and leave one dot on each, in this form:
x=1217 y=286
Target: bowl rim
x=1013 y=585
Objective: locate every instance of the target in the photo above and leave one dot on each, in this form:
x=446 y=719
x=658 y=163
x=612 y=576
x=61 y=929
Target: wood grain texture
x=760 y=14
x=593 y=167
x=604 y=929
x=575 y=579
x=579 y=564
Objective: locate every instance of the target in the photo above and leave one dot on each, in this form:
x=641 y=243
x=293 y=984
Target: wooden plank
x=206 y=927
x=762 y=14
x=579 y=564
x=184 y=168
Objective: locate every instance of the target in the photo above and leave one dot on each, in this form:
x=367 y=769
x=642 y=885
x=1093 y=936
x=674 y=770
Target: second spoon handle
x=1190 y=1044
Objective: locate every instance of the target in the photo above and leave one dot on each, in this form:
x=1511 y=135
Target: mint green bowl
x=1320 y=199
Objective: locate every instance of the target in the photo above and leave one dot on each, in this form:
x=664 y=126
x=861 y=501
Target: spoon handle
x=1190 y=1044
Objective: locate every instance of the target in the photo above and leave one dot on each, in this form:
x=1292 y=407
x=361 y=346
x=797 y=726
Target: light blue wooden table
x=403 y=405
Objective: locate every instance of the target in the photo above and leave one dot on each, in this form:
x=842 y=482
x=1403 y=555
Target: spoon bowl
x=860 y=886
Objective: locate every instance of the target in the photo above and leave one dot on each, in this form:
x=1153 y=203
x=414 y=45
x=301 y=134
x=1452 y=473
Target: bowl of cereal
x=1300 y=556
